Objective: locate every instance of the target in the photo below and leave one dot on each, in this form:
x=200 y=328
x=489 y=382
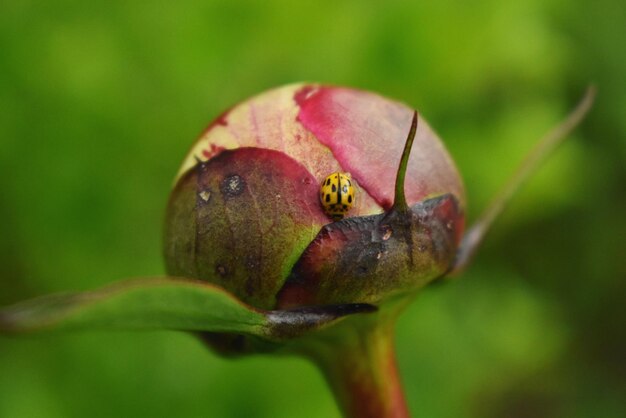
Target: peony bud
x=245 y=212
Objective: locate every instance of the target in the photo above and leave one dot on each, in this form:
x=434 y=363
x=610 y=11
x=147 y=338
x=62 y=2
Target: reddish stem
x=361 y=370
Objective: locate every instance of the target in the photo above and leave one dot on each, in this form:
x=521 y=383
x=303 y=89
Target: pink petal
x=366 y=134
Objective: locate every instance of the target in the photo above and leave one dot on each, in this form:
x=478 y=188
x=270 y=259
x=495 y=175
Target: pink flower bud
x=246 y=213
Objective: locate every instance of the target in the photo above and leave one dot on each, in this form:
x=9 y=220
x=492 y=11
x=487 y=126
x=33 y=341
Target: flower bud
x=246 y=214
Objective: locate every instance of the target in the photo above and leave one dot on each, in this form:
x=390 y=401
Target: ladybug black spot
x=327 y=198
x=349 y=198
x=334 y=188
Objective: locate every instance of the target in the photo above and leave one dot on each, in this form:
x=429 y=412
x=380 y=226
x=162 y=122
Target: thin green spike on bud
x=399 y=203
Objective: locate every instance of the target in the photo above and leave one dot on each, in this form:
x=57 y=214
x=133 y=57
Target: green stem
x=361 y=370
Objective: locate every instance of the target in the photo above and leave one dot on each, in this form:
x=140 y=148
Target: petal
x=269 y=121
x=366 y=134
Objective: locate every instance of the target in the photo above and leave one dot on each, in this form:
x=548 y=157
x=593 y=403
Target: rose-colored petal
x=366 y=134
x=330 y=129
x=269 y=121
x=241 y=220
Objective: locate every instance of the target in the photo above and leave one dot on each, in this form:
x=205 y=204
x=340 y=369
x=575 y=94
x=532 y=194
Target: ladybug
x=337 y=195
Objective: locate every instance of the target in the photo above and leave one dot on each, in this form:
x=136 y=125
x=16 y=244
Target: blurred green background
x=100 y=100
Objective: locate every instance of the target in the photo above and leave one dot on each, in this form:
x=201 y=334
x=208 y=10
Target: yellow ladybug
x=337 y=195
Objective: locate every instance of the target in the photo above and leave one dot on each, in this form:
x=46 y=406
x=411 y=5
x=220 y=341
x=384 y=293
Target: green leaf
x=153 y=303
x=165 y=303
x=545 y=147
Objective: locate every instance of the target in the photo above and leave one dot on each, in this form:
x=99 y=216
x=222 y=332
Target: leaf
x=136 y=304
x=269 y=121
x=164 y=303
x=544 y=148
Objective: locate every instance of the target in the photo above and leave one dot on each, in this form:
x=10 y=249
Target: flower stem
x=361 y=370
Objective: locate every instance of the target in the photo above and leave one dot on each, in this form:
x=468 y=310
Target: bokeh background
x=100 y=100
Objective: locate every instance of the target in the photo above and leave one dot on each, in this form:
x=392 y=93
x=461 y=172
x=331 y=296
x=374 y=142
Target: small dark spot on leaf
x=250 y=286
x=252 y=262
x=232 y=186
x=221 y=270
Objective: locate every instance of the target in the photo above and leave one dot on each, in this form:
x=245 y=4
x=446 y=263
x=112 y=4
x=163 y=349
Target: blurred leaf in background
x=101 y=100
